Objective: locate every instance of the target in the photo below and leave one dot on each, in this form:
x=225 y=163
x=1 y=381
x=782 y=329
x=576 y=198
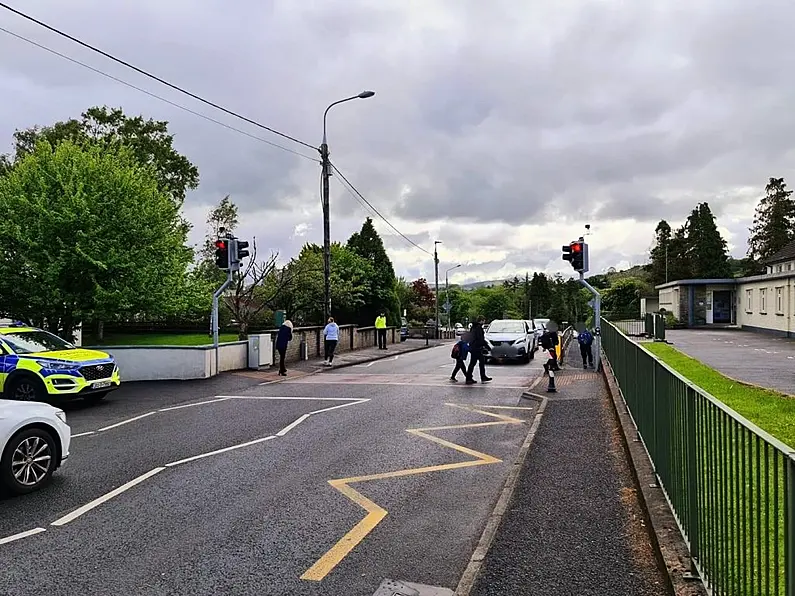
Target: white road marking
x=217 y=451
x=289 y=398
x=292 y=425
x=123 y=422
x=353 y=403
x=368 y=365
x=104 y=498
x=91 y=432
x=201 y=403
x=21 y=535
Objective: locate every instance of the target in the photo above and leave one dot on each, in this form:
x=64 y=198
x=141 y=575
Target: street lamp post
x=436 y=270
x=325 y=165
x=447 y=292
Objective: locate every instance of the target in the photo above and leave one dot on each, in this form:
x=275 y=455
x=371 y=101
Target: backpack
x=456 y=352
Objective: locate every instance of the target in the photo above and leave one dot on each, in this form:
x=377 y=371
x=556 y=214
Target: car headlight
x=61 y=415
x=52 y=365
x=521 y=340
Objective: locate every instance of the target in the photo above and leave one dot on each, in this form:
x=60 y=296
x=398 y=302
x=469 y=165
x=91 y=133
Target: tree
x=540 y=294
x=423 y=301
x=303 y=295
x=222 y=216
x=659 y=266
x=679 y=265
x=774 y=221
x=85 y=233
x=149 y=141
x=706 y=250
x=381 y=292
x=622 y=299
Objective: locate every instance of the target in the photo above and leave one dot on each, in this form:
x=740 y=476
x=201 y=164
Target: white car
x=34 y=442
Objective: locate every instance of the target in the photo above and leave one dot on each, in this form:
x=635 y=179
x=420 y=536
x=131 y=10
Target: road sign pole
x=216 y=295
x=597 y=313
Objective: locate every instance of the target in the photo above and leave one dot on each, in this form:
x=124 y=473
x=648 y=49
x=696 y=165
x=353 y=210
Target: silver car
x=511 y=339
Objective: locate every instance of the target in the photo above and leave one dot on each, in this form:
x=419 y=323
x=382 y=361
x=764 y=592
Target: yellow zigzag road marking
x=376 y=513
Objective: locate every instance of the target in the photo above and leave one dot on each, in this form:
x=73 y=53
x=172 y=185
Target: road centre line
x=106 y=497
x=217 y=451
x=22 y=535
x=85 y=434
x=264 y=397
x=201 y=403
x=123 y=422
x=143 y=477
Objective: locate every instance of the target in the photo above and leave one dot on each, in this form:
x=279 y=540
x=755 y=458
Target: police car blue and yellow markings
x=65 y=369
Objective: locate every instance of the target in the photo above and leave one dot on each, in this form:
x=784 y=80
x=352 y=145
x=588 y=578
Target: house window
x=780 y=300
x=789 y=266
x=779 y=268
x=749 y=301
x=763 y=300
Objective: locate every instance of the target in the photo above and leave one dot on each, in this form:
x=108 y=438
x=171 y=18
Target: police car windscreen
x=30 y=342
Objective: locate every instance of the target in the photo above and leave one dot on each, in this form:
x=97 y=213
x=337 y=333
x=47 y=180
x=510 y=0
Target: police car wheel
x=28 y=461
x=25 y=389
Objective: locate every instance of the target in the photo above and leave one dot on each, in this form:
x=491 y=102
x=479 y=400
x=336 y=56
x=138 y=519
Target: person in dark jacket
x=477 y=349
x=585 y=339
x=460 y=353
x=282 y=339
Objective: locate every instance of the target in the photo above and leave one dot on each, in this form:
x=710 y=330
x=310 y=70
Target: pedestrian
x=459 y=353
x=284 y=337
x=477 y=352
x=585 y=339
x=548 y=341
x=380 y=329
x=331 y=334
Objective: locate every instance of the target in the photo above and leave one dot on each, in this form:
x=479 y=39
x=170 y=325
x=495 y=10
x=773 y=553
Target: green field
x=158 y=339
x=772 y=411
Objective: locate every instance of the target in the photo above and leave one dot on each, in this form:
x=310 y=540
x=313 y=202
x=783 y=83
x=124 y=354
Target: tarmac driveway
x=747 y=356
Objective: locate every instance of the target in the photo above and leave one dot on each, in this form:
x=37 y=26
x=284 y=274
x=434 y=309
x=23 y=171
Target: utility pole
x=436 y=270
x=447 y=305
x=325 y=173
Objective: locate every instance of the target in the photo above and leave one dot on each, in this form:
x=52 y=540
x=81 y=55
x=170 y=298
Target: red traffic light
x=220 y=244
x=576 y=247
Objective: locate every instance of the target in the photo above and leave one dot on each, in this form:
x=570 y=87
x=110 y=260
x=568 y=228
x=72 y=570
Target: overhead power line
x=155 y=96
x=151 y=76
x=355 y=192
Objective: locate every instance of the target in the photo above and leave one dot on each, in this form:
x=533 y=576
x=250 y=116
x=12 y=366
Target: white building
x=760 y=302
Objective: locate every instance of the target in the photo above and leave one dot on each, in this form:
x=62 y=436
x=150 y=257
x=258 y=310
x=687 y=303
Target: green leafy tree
x=706 y=250
x=679 y=265
x=149 y=141
x=381 y=291
x=303 y=294
x=540 y=294
x=622 y=299
x=223 y=216
x=774 y=221
x=423 y=302
x=660 y=253
x=86 y=233
x=403 y=294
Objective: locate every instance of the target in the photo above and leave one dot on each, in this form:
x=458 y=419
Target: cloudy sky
x=499 y=128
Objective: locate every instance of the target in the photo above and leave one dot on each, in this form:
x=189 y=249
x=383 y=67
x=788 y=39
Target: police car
x=36 y=365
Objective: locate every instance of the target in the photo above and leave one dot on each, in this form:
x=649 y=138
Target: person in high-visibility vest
x=380 y=329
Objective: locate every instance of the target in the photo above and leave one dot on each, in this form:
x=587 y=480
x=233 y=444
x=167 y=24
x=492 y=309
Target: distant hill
x=482 y=284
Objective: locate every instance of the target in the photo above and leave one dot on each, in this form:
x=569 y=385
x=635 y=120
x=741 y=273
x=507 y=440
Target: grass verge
x=158 y=339
x=770 y=410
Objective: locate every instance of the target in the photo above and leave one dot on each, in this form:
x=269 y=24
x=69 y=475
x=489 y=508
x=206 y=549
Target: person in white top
x=332 y=335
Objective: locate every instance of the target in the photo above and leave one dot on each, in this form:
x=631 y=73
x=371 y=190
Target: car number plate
x=101 y=385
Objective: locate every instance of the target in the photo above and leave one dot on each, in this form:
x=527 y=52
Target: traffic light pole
x=216 y=295
x=597 y=314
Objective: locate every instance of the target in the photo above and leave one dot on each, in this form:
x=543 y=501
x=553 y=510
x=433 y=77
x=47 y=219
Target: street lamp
x=436 y=270
x=325 y=174
x=447 y=292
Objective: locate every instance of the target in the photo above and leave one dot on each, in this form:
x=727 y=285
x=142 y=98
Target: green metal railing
x=730 y=484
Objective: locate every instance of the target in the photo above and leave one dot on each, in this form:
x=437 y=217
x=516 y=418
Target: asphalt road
x=255 y=513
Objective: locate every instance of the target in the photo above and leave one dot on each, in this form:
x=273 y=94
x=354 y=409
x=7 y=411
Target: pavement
x=342 y=482
x=574 y=523
x=756 y=358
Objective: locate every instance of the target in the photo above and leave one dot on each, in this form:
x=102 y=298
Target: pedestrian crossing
x=414 y=380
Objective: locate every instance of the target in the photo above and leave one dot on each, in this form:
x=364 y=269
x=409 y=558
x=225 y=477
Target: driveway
x=747 y=356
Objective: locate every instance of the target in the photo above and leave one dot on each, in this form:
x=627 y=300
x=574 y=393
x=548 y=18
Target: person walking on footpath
x=459 y=354
x=284 y=337
x=548 y=341
x=331 y=334
x=477 y=352
x=585 y=339
x=380 y=329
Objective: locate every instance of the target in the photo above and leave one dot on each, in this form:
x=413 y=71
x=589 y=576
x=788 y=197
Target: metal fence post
x=661 y=327
x=789 y=570
x=692 y=480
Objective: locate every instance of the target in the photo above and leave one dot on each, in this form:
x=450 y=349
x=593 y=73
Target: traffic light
x=242 y=253
x=567 y=253
x=222 y=253
x=578 y=255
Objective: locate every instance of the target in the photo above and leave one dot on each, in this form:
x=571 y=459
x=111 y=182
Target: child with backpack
x=459 y=354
